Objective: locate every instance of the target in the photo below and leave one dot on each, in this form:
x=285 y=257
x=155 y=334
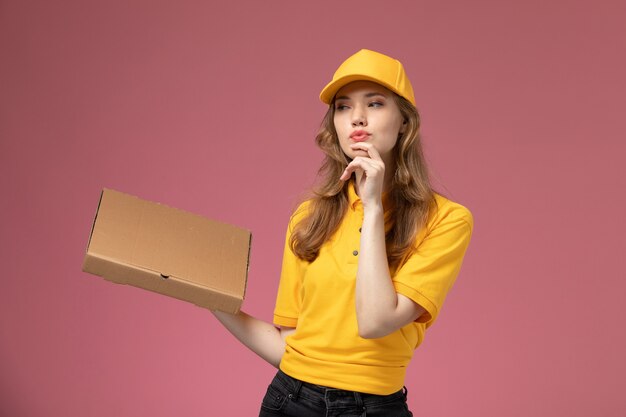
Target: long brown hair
x=410 y=194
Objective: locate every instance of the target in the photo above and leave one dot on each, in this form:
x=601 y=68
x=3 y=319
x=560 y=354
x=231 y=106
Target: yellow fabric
x=372 y=66
x=318 y=299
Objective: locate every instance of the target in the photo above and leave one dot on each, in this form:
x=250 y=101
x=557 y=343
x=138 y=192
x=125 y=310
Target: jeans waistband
x=297 y=384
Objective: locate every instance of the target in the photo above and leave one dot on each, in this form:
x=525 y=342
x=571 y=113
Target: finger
x=367 y=165
x=351 y=168
x=369 y=148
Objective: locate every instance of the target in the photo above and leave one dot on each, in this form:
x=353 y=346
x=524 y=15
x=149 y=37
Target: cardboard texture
x=168 y=251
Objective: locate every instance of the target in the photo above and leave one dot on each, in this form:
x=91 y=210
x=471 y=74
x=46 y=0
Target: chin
x=351 y=154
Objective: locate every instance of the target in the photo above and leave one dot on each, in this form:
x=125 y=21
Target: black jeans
x=290 y=397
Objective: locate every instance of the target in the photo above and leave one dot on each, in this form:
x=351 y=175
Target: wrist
x=373 y=210
x=373 y=205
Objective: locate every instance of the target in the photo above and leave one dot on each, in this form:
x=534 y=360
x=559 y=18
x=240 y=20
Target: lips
x=359 y=136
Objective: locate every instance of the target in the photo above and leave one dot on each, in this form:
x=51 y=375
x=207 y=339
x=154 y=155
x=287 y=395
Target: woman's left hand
x=370 y=174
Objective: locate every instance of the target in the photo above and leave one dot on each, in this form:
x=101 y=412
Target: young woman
x=368 y=260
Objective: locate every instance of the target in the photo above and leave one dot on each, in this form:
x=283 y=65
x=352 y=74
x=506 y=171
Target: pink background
x=212 y=107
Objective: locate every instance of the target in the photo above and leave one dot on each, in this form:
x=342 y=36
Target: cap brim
x=329 y=92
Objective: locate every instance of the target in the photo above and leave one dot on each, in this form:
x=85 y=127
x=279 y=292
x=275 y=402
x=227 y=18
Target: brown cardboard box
x=169 y=251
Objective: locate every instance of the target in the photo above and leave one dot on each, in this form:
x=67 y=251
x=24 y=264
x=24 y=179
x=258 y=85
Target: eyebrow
x=368 y=95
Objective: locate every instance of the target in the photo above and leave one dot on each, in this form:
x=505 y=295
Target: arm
x=263 y=338
x=380 y=310
x=259 y=336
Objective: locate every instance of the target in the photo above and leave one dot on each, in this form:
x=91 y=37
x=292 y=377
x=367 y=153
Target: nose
x=358 y=117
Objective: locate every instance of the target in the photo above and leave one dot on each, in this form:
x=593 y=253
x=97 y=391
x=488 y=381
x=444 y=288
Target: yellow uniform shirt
x=318 y=298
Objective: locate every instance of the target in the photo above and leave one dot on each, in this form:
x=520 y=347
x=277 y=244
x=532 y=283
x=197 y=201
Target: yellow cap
x=371 y=66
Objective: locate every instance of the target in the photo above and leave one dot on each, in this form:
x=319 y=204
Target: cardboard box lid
x=209 y=256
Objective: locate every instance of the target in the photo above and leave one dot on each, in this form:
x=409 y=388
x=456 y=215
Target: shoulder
x=448 y=212
x=302 y=211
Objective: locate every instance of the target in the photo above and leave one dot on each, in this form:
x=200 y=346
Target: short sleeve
x=429 y=273
x=289 y=297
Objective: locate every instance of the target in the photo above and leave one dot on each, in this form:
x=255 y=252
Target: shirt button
x=359 y=230
x=355 y=253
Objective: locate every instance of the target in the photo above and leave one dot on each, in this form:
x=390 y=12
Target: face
x=367 y=112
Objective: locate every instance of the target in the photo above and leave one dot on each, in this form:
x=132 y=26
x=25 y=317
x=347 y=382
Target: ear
x=403 y=127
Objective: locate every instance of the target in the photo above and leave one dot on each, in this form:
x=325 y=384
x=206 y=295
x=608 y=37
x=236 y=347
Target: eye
x=341 y=106
x=376 y=104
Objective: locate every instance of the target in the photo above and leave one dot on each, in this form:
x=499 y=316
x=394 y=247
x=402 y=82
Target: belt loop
x=359 y=403
x=296 y=390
